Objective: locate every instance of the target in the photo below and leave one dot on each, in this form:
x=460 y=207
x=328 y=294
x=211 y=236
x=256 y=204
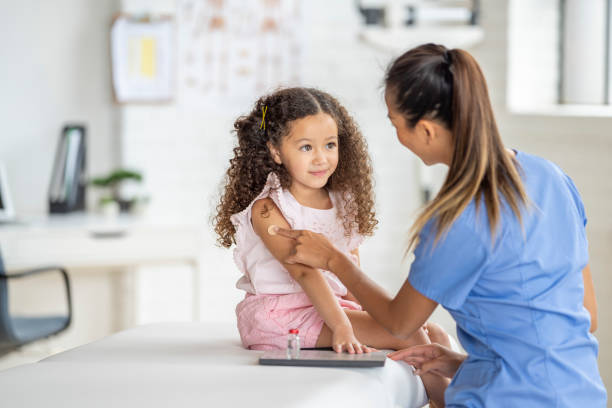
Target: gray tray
x=324 y=358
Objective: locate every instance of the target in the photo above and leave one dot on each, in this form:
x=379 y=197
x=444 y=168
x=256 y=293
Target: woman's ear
x=274 y=153
x=427 y=130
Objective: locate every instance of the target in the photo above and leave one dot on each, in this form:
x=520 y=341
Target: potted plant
x=112 y=186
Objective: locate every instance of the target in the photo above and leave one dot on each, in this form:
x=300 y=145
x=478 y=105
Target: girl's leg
x=369 y=332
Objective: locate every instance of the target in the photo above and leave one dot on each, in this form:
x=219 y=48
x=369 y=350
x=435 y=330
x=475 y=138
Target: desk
x=82 y=242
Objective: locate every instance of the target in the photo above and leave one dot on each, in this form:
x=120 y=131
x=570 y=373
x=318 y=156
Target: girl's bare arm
x=402 y=315
x=349 y=295
x=266 y=213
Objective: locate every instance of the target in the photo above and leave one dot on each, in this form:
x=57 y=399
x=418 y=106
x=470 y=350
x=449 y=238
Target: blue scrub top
x=518 y=303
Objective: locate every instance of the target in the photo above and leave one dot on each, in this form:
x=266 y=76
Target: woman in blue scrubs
x=502 y=247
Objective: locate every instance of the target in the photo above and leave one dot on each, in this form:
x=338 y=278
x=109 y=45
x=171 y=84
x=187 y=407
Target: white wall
x=533 y=53
x=185 y=150
x=584 y=52
x=54 y=69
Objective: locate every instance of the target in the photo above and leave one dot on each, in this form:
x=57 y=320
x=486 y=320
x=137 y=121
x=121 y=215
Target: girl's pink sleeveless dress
x=274 y=302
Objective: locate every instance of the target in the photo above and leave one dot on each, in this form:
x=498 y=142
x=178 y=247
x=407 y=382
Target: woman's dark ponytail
x=434 y=83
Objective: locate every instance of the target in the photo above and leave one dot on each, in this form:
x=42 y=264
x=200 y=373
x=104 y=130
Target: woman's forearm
x=402 y=315
x=373 y=298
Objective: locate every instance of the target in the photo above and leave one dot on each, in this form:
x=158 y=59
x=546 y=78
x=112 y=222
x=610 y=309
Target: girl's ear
x=274 y=153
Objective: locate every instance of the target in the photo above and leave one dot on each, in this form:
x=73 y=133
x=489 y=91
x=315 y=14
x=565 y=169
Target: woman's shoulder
x=539 y=172
x=470 y=225
x=532 y=164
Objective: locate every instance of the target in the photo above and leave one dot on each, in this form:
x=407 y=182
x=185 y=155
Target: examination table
x=197 y=365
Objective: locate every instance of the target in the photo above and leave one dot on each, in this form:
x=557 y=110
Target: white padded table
x=197 y=365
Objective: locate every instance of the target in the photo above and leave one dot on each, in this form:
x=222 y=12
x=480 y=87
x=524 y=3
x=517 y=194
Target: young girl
x=301 y=162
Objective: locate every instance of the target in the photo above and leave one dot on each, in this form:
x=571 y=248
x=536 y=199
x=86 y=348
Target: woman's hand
x=431 y=358
x=309 y=248
x=343 y=338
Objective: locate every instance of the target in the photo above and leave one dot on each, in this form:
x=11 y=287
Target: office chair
x=16 y=331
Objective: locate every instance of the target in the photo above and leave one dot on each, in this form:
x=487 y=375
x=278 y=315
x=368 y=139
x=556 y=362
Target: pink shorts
x=264 y=320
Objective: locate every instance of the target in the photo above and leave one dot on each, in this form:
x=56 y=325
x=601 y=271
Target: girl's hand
x=431 y=358
x=343 y=338
x=309 y=248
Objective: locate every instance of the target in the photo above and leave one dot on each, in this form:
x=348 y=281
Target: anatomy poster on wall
x=231 y=51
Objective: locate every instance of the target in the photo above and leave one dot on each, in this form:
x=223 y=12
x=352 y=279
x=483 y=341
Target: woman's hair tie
x=448 y=59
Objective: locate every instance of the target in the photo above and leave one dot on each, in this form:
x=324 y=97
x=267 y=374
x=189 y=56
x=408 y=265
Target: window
x=559 y=57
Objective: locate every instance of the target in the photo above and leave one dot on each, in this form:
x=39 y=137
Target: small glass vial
x=293 y=344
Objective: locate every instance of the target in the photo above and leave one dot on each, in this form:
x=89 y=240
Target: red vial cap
x=294 y=331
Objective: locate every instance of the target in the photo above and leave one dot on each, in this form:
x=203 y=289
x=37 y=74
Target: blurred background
x=117 y=123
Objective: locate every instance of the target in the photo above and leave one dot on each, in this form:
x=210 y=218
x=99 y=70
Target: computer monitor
x=6 y=205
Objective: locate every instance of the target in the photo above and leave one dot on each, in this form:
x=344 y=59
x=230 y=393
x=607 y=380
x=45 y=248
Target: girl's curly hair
x=252 y=161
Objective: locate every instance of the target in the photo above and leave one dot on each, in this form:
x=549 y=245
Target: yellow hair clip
x=263 y=118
